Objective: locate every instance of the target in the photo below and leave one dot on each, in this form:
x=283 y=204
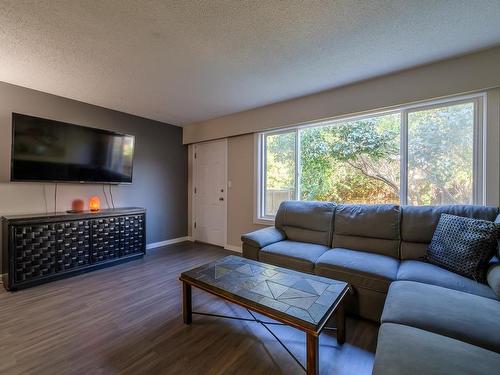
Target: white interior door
x=210 y=186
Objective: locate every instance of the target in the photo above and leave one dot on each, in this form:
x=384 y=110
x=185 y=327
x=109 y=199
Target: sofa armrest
x=263 y=237
x=493 y=278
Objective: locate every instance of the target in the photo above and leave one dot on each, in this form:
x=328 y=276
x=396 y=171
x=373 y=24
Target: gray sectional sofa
x=433 y=321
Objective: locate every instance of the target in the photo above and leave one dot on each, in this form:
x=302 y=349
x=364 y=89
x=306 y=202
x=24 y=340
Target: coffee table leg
x=312 y=354
x=340 y=322
x=186 y=303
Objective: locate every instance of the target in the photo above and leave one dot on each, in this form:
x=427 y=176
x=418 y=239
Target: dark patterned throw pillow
x=464 y=245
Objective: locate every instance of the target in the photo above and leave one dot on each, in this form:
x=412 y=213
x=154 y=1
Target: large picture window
x=428 y=154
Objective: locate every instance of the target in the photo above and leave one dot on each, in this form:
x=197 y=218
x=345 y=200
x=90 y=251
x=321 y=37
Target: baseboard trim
x=154 y=245
x=233 y=248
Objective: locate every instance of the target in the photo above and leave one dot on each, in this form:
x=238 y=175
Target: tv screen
x=47 y=150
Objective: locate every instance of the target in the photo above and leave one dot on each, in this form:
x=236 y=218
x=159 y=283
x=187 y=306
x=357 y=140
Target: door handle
x=221 y=199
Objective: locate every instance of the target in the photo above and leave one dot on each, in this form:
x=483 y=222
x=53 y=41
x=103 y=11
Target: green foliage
x=280 y=158
x=343 y=162
x=358 y=161
x=440 y=155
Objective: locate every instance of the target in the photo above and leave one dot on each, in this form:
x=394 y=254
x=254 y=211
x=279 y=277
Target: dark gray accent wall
x=160 y=163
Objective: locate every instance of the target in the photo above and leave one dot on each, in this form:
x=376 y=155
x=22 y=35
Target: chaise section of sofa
x=406 y=350
x=458 y=315
x=434 y=321
x=429 y=329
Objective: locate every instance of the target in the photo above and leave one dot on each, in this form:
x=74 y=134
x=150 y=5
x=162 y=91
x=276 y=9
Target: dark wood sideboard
x=46 y=247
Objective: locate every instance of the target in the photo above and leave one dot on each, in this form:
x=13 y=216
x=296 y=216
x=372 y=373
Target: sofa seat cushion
x=359 y=268
x=414 y=270
x=299 y=256
x=411 y=351
x=458 y=315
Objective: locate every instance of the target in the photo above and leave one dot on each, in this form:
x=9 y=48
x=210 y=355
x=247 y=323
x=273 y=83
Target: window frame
x=478 y=165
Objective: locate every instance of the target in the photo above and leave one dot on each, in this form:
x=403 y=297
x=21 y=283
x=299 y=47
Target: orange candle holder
x=77 y=205
x=94 y=204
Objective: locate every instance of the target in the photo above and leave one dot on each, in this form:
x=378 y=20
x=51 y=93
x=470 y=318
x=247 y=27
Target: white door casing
x=210 y=192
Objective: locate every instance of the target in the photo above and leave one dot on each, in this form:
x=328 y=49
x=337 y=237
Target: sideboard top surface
x=60 y=216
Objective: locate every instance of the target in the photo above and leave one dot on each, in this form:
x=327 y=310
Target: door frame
x=195 y=180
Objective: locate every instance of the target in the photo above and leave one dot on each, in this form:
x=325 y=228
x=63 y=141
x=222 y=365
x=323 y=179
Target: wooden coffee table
x=297 y=299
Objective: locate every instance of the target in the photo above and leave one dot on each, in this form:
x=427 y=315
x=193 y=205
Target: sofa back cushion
x=372 y=228
x=306 y=221
x=418 y=224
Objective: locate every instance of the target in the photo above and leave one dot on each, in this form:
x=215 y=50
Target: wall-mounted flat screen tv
x=54 y=151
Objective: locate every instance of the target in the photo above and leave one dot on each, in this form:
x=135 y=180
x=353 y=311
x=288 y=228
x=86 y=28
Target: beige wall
x=190 y=190
x=240 y=196
x=459 y=75
x=492 y=149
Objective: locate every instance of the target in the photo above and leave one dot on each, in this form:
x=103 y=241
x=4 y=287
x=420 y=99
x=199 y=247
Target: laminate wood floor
x=127 y=320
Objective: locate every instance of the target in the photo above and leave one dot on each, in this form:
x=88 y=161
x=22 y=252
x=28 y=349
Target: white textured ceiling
x=187 y=61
